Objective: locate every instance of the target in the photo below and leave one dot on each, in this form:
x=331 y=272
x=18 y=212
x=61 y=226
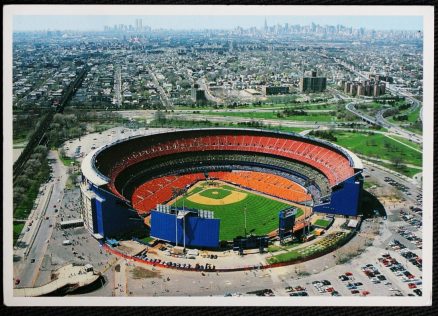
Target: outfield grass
x=261 y=214
x=378 y=146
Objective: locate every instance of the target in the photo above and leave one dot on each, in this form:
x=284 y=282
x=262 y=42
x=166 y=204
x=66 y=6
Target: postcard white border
x=427 y=12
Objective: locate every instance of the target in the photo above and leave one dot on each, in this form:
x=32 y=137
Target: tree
x=160 y=117
x=398 y=162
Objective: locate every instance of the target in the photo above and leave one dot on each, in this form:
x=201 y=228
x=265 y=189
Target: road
x=380 y=120
x=118 y=87
x=204 y=86
x=163 y=95
x=27 y=271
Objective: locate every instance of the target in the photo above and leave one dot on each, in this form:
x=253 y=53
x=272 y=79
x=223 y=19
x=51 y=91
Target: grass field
x=312 y=117
x=407 y=142
x=322 y=223
x=407 y=171
x=378 y=146
x=413 y=116
x=261 y=212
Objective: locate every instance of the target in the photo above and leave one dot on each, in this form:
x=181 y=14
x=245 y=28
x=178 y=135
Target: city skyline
x=199 y=22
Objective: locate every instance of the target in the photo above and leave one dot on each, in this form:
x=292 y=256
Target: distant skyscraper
x=266 y=26
x=138 y=24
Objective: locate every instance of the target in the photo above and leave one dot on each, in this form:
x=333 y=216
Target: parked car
x=418 y=292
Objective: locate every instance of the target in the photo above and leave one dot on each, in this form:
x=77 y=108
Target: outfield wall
x=199 y=232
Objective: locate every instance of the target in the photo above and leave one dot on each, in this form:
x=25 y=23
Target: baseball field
x=230 y=203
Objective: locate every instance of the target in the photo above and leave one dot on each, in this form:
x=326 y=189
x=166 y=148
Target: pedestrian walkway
x=67 y=276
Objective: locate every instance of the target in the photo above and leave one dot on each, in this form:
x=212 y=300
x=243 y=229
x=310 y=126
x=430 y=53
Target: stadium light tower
x=176 y=228
x=244 y=212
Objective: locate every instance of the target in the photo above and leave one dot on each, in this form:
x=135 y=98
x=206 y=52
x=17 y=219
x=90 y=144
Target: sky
x=97 y=22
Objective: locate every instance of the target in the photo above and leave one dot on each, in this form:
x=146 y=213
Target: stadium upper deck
x=335 y=162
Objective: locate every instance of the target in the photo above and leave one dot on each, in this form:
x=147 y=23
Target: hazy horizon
x=199 y=22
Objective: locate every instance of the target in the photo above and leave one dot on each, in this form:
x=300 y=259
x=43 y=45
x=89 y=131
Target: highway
x=28 y=268
x=380 y=120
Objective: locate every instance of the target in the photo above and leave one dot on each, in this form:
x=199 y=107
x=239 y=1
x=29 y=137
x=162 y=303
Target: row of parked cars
x=296 y=291
x=417 y=210
x=201 y=267
x=400 y=271
x=373 y=274
x=409 y=235
x=325 y=286
x=353 y=287
x=411 y=219
x=407 y=254
x=264 y=292
x=143 y=256
x=397 y=185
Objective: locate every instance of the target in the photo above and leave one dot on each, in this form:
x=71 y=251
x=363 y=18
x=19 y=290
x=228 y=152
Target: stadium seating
x=161 y=190
x=270 y=184
x=334 y=165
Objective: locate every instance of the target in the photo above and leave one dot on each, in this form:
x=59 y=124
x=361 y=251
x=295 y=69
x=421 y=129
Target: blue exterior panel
x=345 y=198
x=200 y=232
x=113 y=216
x=99 y=202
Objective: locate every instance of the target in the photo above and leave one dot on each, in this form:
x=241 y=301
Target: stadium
x=198 y=187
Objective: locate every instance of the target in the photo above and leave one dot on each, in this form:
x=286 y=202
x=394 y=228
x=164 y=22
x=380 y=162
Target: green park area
x=331 y=241
x=272 y=115
x=323 y=223
x=378 y=147
x=408 y=142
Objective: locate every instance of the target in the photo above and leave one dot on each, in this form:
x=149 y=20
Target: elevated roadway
x=69 y=277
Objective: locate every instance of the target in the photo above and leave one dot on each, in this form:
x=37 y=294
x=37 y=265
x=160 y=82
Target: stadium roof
x=357 y=162
x=90 y=172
